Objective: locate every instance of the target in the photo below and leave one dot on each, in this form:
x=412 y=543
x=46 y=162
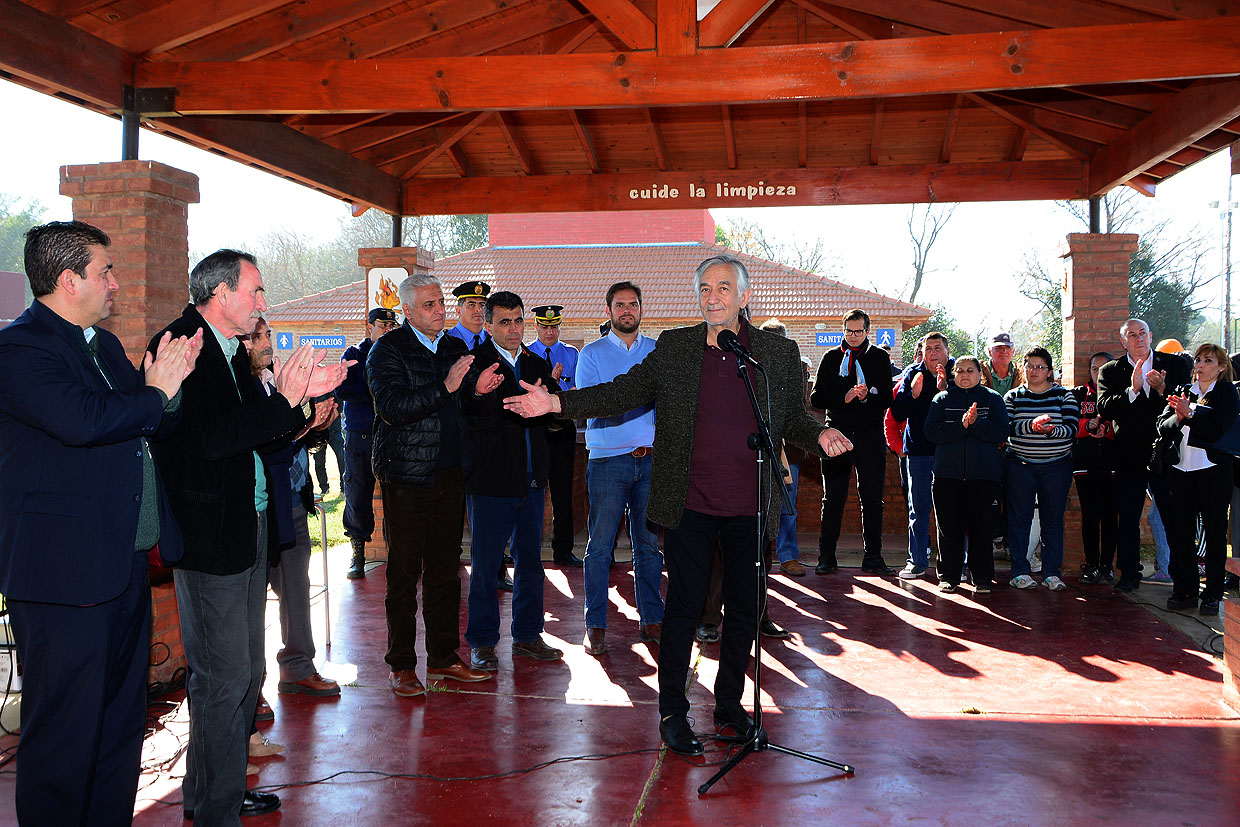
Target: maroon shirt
x=723 y=472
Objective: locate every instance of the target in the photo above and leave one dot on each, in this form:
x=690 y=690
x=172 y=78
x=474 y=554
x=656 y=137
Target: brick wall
x=637 y=227
x=1095 y=299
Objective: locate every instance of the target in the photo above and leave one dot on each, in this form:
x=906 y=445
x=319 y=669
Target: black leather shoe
x=827 y=567
x=484 y=658
x=773 y=630
x=569 y=559
x=1128 y=584
x=536 y=649
x=253 y=804
x=879 y=568
x=505 y=582
x=707 y=633
x=1175 y=603
x=734 y=718
x=1209 y=608
x=678 y=735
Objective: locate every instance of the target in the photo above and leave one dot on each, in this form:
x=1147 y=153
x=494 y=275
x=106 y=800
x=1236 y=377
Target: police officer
x=561 y=434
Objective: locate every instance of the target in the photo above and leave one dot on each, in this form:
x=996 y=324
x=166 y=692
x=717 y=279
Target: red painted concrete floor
x=1019 y=708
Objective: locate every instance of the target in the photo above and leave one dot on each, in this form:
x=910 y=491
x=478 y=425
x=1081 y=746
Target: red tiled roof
x=577 y=277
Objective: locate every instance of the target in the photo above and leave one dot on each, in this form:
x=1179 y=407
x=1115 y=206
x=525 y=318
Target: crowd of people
x=200 y=460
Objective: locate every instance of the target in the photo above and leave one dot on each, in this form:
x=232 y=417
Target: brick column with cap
x=144 y=207
x=1095 y=304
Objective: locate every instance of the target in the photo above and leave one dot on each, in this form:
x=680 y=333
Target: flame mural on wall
x=386 y=295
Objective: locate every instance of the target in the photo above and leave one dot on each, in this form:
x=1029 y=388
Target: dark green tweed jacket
x=672 y=375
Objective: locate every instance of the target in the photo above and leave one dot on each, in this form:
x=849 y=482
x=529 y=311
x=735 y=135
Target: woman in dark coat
x=1093 y=469
x=967 y=423
x=1201 y=480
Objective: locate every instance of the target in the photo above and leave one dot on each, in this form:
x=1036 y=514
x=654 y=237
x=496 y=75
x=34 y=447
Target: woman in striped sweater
x=1043 y=421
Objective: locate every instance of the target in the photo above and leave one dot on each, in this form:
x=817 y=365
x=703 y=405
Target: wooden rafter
x=933 y=15
x=362 y=138
x=1019 y=144
x=949 y=132
x=627 y=22
x=886 y=184
x=490 y=35
x=729 y=20
x=1068 y=103
x=457 y=156
x=877 y=68
x=583 y=137
x=447 y=143
x=1026 y=118
x=802 y=115
x=729 y=136
x=1199 y=110
x=876 y=134
x=515 y=142
x=676 y=27
x=657 y=141
x=168 y=25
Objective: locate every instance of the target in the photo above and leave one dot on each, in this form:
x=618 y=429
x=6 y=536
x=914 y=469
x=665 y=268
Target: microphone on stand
x=727 y=340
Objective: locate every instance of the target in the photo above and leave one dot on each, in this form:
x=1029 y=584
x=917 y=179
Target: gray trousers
x=222 y=630
x=290 y=580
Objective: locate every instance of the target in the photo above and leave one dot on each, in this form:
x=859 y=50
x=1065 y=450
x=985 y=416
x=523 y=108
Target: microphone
x=727 y=341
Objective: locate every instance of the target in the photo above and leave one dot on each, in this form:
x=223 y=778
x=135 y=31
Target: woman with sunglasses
x=1043 y=419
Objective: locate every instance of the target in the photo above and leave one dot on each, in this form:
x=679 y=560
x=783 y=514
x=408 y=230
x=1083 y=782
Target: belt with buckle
x=643 y=451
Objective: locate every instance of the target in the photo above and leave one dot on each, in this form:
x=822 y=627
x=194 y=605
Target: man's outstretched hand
x=536 y=401
x=834 y=443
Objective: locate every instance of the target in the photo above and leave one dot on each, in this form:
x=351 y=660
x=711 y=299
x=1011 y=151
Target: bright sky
x=973 y=264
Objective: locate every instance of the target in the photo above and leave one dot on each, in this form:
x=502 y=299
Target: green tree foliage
x=1046 y=327
x=1162 y=282
x=15 y=219
x=959 y=341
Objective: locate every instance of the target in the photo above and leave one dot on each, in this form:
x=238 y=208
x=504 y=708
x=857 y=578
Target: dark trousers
x=290 y=580
x=965 y=509
x=689 y=549
x=335 y=441
x=869 y=457
x=495 y=520
x=83 y=705
x=358 y=483
x=561 y=459
x=1206 y=493
x=423 y=544
x=712 y=611
x=1130 y=504
x=1099 y=520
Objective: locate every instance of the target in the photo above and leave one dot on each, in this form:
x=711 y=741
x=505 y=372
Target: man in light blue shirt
x=618 y=475
x=470 y=296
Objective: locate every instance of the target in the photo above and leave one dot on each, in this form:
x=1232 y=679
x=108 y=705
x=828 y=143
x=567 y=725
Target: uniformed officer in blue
x=471 y=298
x=562 y=434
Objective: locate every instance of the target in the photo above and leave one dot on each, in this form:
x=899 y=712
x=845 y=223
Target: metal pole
x=397 y=227
x=1095 y=214
x=1227 y=269
x=130 y=120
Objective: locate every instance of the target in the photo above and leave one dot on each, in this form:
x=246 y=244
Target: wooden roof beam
x=887 y=184
x=1025 y=117
x=448 y=143
x=802 y=134
x=457 y=156
x=1019 y=144
x=515 y=142
x=288 y=152
x=168 y=25
x=729 y=136
x=676 y=30
x=877 y=68
x=45 y=50
x=949 y=132
x=657 y=141
x=876 y=133
x=627 y=22
x=583 y=137
x=1197 y=111
x=729 y=20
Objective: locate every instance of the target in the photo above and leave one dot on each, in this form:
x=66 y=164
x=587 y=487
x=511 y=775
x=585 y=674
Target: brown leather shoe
x=792 y=568
x=405 y=683
x=264 y=711
x=484 y=658
x=650 y=632
x=536 y=649
x=596 y=641
x=316 y=685
x=458 y=672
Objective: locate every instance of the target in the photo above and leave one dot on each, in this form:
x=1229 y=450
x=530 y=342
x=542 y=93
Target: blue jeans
x=1048 y=484
x=920 y=505
x=494 y=521
x=786 y=543
x=613 y=483
x=1162 y=549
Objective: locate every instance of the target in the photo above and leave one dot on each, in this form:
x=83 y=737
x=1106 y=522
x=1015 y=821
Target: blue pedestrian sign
x=332 y=340
x=879 y=336
x=284 y=341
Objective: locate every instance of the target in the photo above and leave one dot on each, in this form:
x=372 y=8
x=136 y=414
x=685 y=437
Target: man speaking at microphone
x=704 y=487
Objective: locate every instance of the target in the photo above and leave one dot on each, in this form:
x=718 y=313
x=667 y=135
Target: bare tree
x=1121 y=210
x=752 y=238
x=925 y=222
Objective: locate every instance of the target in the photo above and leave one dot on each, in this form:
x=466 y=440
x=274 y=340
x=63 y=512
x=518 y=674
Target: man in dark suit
x=219 y=493
x=1132 y=391
x=703 y=489
x=80 y=506
x=507 y=480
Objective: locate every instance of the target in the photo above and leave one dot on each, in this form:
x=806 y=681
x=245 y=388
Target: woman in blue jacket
x=967 y=423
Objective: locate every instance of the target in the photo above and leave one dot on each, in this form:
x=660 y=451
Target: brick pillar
x=1231 y=644
x=144 y=207
x=1095 y=304
x=411 y=260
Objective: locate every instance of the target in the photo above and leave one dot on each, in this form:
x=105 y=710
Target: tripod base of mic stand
x=757 y=742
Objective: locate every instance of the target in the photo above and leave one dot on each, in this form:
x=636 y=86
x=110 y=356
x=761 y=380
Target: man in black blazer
x=219 y=494
x=508 y=483
x=1132 y=392
x=80 y=506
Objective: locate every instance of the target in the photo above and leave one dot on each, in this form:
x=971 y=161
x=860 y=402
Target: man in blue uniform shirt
x=561 y=435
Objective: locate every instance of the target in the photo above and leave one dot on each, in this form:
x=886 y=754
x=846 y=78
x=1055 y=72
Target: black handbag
x=1164 y=454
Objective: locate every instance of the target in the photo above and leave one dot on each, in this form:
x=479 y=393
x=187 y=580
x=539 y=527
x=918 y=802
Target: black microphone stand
x=755 y=740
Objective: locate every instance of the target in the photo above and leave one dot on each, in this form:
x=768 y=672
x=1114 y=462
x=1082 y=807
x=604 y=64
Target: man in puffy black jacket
x=415 y=374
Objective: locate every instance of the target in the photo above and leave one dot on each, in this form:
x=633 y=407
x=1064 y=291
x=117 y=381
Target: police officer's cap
x=549 y=314
x=472 y=289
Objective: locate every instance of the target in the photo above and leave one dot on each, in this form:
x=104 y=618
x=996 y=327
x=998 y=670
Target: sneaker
x=911 y=572
x=947 y=587
x=1160 y=577
x=1024 y=581
x=1091 y=576
x=1054 y=584
x=1106 y=575
x=1035 y=565
x=981 y=588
